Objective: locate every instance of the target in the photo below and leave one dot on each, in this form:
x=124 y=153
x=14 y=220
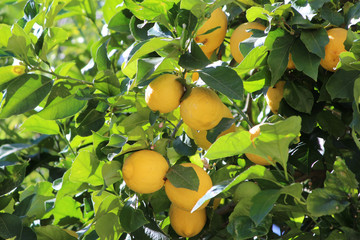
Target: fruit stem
x=356 y=140
x=176 y=128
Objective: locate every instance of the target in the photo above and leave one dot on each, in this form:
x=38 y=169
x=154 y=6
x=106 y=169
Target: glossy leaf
x=298 y=97
x=131 y=219
x=341 y=84
x=25 y=93
x=10 y=226
x=315 y=41
x=183 y=177
x=223 y=79
x=40 y=125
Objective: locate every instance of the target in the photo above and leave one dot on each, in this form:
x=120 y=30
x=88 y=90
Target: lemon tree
x=179 y=119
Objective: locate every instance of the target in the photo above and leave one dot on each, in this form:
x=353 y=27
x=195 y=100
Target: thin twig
x=243 y=115
x=60 y=76
x=176 y=128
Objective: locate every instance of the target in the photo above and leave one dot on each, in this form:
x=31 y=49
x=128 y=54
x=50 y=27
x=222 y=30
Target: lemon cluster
x=185 y=223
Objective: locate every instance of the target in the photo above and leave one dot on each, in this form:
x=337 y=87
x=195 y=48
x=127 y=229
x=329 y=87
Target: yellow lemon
x=144 y=171
x=200 y=136
x=274 y=95
x=255 y=132
x=212 y=40
x=185 y=198
x=163 y=94
x=185 y=223
x=337 y=37
x=240 y=34
x=291 y=64
x=202 y=109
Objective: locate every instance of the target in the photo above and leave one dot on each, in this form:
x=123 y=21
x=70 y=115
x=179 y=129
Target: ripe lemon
x=163 y=94
x=291 y=64
x=274 y=95
x=185 y=198
x=246 y=190
x=240 y=34
x=185 y=223
x=337 y=37
x=200 y=136
x=202 y=109
x=212 y=40
x=144 y=171
x=255 y=132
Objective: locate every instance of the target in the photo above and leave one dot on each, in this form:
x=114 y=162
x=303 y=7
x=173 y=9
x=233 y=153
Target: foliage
x=78 y=111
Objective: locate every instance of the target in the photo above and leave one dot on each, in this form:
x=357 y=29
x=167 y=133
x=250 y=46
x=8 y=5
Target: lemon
x=185 y=198
x=291 y=64
x=240 y=34
x=163 y=94
x=144 y=171
x=337 y=37
x=274 y=95
x=200 y=136
x=255 y=132
x=212 y=40
x=202 y=109
x=185 y=223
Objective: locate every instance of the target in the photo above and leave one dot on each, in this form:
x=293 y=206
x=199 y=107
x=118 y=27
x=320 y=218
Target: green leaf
x=146 y=67
x=92 y=122
x=7 y=149
x=119 y=23
x=263 y=202
x=222 y=126
x=254 y=59
x=101 y=58
x=110 y=8
x=37 y=124
x=257 y=12
x=342 y=179
x=159 y=201
x=62 y=101
x=149 y=9
x=90 y=9
x=223 y=79
x=66 y=208
x=278 y=57
x=52 y=232
x=195 y=59
x=341 y=84
x=348 y=62
x=183 y=177
x=331 y=15
x=54 y=36
x=304 y=60
x=86 y=168
x=298 y=97
x=323 y=201
x=10 y=226
x=315 y=41
x=253 y=172
x=257 y=81
x=242 y=227
x=115 y=145
x=225 y=173
x=12 y=177
x=111 y=172
x=131 y=219
x=141 y=49
x=331 y=124
x=108 y=226
x=19 y=42
x=184 y=145
x=107 y=82
x=5 y=33
x=25 y=93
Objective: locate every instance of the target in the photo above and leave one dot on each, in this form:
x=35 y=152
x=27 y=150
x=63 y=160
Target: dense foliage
x=73 y=75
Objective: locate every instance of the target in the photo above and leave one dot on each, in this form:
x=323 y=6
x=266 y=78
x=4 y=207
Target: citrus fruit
x=163 y=94
x=240 y=34
x=246 y=190
x=274 y=95
x=200 y=136
x=185 y=223
x=202 y=109
x=213 y=39
x=255 y=132
x=144 y=171
x=185 y=198
x=291 y=64
x=337 y=37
